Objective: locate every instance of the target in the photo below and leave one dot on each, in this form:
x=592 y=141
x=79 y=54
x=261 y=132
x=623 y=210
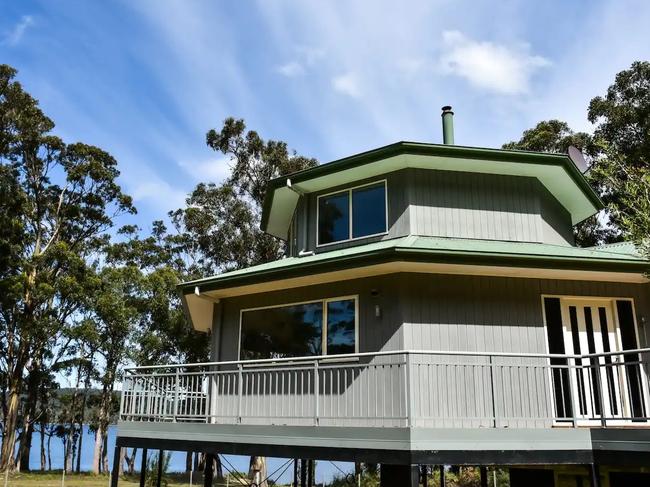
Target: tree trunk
x=33 y=385
x=97 y=453
x=131 y=461
x=49 y=453
x=105 y=452
x=122 y=459
x=11 y=423
x=219 y=468
x=257 y=471
x=43 y=459
x=80 y=443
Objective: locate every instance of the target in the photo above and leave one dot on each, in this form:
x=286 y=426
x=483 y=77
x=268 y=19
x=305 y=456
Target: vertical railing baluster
x=240 y=391
x=316 y=392
x=573 y=387
x=176 y=394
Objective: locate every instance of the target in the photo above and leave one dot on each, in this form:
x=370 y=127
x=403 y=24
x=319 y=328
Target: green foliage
x=556 y=136
x=553 y=136
x=219 y=226
x=622 y=119
x=151 y=478
x=58 y=202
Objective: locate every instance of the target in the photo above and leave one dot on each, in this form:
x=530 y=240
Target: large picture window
x=354 y=213
x=325 y=327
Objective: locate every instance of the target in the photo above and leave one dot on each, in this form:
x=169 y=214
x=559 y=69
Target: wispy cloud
x=496 y=67
x=306 y=58
x=291 y=69
x=214 y=170
x=158 y=193
x=347 y=84
x=14 y=36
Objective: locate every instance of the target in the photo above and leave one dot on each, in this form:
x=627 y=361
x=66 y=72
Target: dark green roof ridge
x=421 y=148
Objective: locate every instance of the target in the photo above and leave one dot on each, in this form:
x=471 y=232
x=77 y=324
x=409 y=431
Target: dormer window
x=353 y=213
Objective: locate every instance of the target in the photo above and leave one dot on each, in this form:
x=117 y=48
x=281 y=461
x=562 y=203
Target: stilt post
x=115 y=472
x=310 y=473
x=303 y=472
x=484 y=476
x=594 y=474
x=442 y=476
x=424 y=475
x=160 y=465
x=295 y=472
x=399 y=475
x=208 y=470
x=143 y=467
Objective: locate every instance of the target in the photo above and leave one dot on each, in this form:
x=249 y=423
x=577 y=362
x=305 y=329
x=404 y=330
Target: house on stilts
x=432 y=309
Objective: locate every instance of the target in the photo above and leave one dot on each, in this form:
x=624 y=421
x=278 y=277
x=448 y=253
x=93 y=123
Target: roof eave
x=422 y=255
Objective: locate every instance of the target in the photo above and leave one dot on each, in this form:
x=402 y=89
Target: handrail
x=333 y=358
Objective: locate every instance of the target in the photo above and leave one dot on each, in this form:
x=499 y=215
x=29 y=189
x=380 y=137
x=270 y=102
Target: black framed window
x=354 y=213
x=325 y=327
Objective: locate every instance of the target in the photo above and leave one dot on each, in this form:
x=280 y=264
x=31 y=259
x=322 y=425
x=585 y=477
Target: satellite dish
x=578 y=159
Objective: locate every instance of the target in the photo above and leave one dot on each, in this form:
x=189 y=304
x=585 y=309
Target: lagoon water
x=325 y=471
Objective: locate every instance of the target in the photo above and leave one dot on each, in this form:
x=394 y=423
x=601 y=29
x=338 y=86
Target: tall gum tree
x=63 y=199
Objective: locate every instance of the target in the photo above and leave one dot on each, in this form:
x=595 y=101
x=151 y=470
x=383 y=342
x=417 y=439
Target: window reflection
x=368 y=210
x=340 y=327
x=289 y=331
x=297 y=330
x=333 y=218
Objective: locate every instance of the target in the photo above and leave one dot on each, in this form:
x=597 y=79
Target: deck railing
x=397 y=389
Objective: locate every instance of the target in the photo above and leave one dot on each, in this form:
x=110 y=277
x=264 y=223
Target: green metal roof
x=619 y=258
x=556 y=171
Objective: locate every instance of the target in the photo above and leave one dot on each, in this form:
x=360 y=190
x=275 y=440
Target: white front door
x=605 y=384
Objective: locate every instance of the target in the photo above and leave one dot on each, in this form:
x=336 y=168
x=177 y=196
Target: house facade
x=432 y=309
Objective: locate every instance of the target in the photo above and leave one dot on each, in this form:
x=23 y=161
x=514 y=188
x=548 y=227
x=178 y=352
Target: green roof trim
x=433 y=250
x=439 y=150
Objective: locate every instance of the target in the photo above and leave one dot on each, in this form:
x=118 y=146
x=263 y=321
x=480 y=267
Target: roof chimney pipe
x=447 y=126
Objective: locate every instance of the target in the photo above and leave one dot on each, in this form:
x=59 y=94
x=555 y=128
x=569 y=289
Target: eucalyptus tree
x=622 y=121
x=58 y=201
x=556 y=136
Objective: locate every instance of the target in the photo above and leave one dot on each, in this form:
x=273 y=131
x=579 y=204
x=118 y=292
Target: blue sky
x=145 y=80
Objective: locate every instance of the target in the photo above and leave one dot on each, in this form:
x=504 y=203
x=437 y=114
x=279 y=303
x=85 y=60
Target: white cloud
x=307 y=57
x=215 y=170
x=347 y=84
x=158 y=193
x=291 y=69
x=495 y=67
x=14 y=36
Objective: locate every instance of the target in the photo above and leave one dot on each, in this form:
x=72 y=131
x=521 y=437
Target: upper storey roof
x=556 y=172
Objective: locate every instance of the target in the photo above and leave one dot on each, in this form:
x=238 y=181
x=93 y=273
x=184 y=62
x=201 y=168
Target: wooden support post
x=143 y=467
x=399 y=475
x=424 y=475
x=115 y=473
x=442 y=476
x=303 y=472
x=208 y=470
x=484 y=476
x=594 y=474
x=310 y=473
x=295 y=472
x=160 y=466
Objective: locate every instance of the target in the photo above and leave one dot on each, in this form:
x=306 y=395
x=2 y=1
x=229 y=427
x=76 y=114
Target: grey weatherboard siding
x=454 y=204
x=444 y=313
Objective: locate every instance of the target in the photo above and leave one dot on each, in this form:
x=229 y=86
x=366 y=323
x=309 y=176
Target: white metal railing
x=397 y=389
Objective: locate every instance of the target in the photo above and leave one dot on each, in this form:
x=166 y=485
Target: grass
x=53 y=479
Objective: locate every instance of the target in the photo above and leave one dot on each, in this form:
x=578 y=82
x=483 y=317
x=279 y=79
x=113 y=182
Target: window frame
x=351 y=219
x=323 y=302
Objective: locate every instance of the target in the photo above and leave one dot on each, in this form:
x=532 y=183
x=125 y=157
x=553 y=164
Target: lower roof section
x=499 y=446
x=614 y=263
